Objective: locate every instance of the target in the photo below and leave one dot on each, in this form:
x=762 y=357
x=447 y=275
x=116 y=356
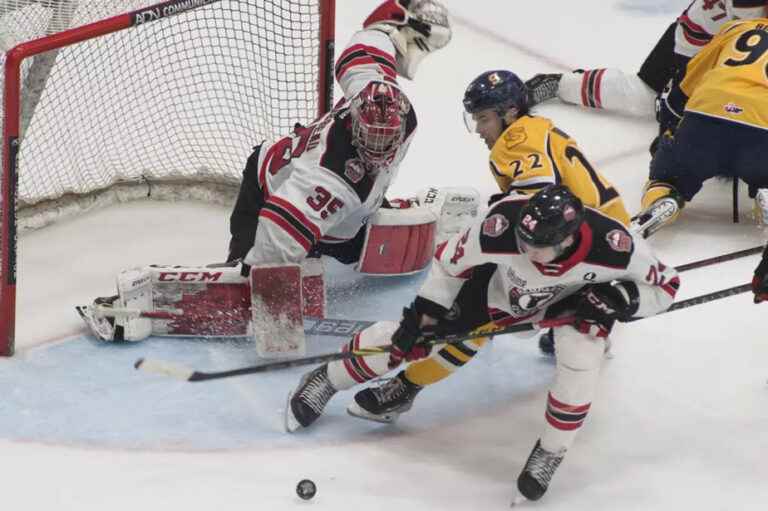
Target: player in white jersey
x=317 y=191
x=528 y=259
x=317 y=188
x=615 y=90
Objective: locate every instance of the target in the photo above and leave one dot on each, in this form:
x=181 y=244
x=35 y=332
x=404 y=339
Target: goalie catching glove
x=416 y=28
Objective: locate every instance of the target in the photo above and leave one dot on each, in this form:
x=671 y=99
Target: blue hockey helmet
x=500 y=90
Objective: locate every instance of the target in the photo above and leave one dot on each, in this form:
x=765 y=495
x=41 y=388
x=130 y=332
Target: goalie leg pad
x=134 y=289
x=313 y=287
x=276 y=308
x=398 y=242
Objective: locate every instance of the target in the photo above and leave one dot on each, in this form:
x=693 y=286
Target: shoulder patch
x=514 y=137
x=619 y=240
x=495 y=225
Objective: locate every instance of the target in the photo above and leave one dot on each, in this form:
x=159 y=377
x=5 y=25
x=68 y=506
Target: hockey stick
x=184 y=373
x=719 y=259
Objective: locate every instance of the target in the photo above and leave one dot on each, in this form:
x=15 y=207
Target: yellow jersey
x=532 y=153
x=728 y=78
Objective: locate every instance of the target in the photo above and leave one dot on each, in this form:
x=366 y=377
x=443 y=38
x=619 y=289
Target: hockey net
x=112 y=100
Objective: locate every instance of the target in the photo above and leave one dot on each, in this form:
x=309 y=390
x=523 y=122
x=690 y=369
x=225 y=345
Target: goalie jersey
x=520 y=289
x=532 y=153
x=727 y=79
x=314 y=184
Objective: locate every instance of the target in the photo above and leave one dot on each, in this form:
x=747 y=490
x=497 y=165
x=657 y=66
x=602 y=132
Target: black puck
x=306 y=489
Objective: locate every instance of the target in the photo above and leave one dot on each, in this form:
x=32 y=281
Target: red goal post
x=165 y=96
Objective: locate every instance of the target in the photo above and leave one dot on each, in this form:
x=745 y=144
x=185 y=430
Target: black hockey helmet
x=499 y=90
x=551 y=215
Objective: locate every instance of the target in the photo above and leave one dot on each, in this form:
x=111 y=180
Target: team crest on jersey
x=354 y=169
x=524 y=301
x=514 y=137
x=619 y=240
x=515 y=278
x=733 y=108
x=495 y=225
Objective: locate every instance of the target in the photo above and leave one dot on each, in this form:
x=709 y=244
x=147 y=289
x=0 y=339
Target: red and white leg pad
x=398 y=242
x=276 y=310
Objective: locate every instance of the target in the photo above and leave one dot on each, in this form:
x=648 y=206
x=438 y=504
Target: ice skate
x=385 y=402
x=307 y=402
x=537 y=473
x=661 y=212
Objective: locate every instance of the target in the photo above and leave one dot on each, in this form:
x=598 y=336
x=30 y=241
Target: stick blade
x=167 y=369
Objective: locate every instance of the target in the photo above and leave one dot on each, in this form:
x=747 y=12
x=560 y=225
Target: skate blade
x=386 y=418
x=290 y=423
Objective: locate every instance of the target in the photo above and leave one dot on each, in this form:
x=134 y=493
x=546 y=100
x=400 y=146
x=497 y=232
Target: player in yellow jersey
x=718 y=120
x=529 y=152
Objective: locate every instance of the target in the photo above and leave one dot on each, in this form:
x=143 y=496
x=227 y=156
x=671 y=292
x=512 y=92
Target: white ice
x=680 y=422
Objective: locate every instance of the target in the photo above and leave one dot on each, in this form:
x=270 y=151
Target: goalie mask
x=378 y=122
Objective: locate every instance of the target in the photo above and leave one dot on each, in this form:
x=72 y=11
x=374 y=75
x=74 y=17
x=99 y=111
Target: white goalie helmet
x=746 y=9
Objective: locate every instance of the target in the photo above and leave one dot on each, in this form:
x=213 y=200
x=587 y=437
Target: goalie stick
x=185 y=373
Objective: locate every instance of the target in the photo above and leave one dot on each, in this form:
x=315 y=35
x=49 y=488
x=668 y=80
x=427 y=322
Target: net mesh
x=182 y=98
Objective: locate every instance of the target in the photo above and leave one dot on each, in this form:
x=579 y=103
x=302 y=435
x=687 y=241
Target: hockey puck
x=306 y=489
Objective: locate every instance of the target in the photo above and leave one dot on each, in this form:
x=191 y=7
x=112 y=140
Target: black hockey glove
x=405 y=340
x=600 y=305
x=760 y=279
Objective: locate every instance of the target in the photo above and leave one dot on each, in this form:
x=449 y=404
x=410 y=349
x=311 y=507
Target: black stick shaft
x=719 y=259
x=203 y=376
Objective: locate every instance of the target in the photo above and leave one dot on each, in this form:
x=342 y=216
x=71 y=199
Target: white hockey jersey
x=315 y=185
x=698 y=24
x=520 y=289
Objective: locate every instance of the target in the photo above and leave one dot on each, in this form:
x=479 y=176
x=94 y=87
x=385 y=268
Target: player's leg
x=682 y=163
x=245 y=215
x=307 y=402
x=613 y=89
x=386 y=402
x=579 y=358
x=749 y=149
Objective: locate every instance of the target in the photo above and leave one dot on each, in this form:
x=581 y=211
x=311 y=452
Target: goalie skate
x=101 y=326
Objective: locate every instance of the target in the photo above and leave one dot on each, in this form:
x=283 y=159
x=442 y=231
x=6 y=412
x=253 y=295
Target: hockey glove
x=600 y=305
x=760 y=279
x=416 y=28
x=405 y=340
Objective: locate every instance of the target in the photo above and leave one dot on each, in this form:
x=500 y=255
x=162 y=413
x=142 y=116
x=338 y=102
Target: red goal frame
x=11 y=124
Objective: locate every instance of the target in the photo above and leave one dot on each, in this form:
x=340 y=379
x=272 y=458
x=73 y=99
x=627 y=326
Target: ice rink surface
x=681 y=421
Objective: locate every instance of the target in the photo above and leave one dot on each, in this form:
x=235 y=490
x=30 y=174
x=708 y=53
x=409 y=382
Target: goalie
x=307 y=195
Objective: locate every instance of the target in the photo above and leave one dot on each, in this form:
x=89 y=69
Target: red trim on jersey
x=287 y=227
x=694 y=33
x=672 y=286
x=440 y=249
x=365 y=60
x=297 y=214
x=585 y=244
